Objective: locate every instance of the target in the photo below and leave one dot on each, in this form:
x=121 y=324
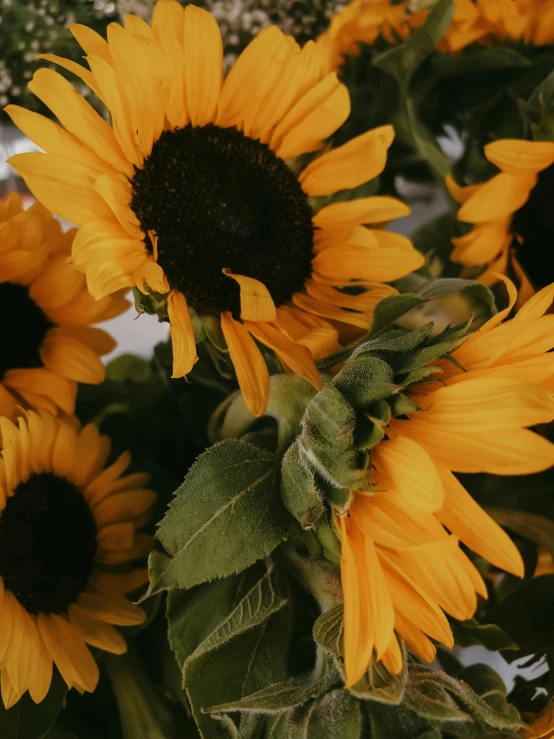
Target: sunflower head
x=68 y=540
x=203 y=197
x=510 y=214
x=381 y=443
x=364 y=22
x=50 y=344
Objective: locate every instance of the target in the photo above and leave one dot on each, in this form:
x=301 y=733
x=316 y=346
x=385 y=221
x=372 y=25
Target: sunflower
x=363 y=22
x=50 y=345
x=193 y=192
x=401 y=564
x=474 y=21
x=65 y=520
x=510 y=213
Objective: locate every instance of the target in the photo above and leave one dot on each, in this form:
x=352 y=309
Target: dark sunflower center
x=534 y=223
x=23 y=328
x=48 y=541
x=217 y=199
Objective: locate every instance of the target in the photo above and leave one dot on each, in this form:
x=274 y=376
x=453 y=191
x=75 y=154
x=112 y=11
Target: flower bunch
x=343 y=448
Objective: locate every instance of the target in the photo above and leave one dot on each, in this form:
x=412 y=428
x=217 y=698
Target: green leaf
x=282 y=696
x=128 y=368
x=299 y=490
x=396 y=341
x=397 y=722
x=262 y=601
x=378 y=684
x=244 y=654
x=478 y=60
x=422 y=357
x=327 y=439
x=403 y=60
x=492 y=690
x=143 y=709
x=288 y=398
x=365 y=379
x=336 y=715
x=447 y=286
x=329 y=632
x=534 y=527
x=389 y=310
x=225 y=516
x=470 y=633
x=193 y=615
x=29 y=720
x=442 y=699
x=526 y=614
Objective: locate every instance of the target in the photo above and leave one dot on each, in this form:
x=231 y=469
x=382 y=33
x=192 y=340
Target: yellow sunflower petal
x=53 y=138
x=296 y=356
x=392 y=659
x=203 y=60
x=182 y=335
x=512 y=452
x=90 y=41
x=377 y=209
x=412 y=472
x=483 y=405
x=520 y=157
x=313 y=119
x=110 y=609
x=409 y=600
x=358 y=623
x=537 y=305
x=249 y=364
x=95 y=632
x=498 y=198
x=78 y=70
x=467 y=520
x=78 y=117
x=256 y=303
x=71 y=358
x=240 y=92
x=349 y=165
x=414 y=637
x=64 y=186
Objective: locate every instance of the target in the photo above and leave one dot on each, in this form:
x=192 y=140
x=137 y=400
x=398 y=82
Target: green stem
x=143 y=711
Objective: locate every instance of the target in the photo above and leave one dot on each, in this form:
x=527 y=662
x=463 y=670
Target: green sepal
x=334 y=715
x=327 y=443
x=155 y=304
x=365 y=379
x=379 y=685
x=329 y=540
x=397 y=341
x=400 y=405
x=299 y=492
